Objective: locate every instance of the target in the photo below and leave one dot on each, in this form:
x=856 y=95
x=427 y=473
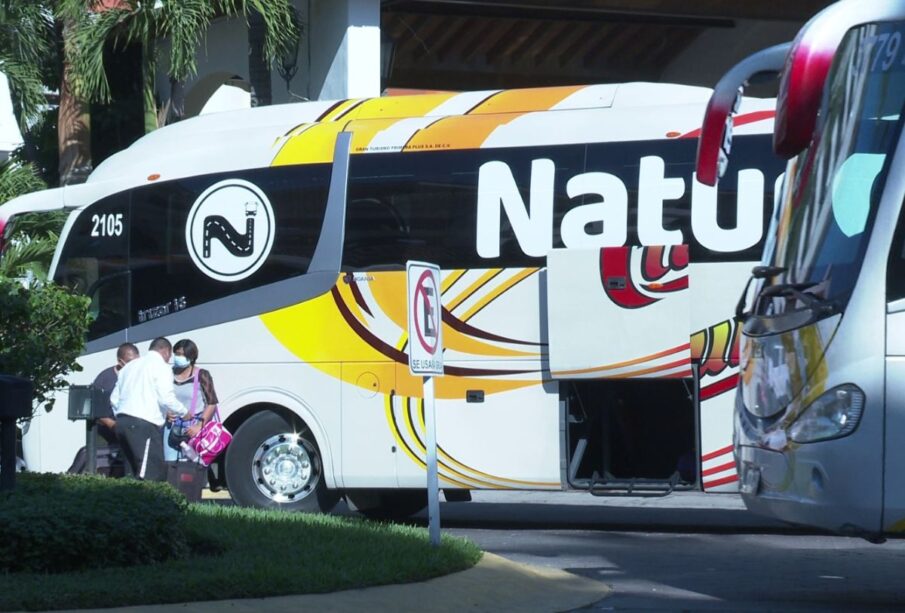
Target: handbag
x=211 y=440
x=213 y=437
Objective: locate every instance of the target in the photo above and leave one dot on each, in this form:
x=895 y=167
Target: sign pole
x=433 y=485
x=425 y=353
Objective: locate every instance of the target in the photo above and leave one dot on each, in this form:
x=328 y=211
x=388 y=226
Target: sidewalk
x=494 y=585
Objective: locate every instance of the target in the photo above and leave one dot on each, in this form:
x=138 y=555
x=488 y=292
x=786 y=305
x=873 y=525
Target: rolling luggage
x=187 y=477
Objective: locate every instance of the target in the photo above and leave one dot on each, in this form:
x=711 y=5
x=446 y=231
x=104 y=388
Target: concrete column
x=345 y=48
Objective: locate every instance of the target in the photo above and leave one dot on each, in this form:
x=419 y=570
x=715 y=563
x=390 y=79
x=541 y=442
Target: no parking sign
x=424 y=319
x=425 y=328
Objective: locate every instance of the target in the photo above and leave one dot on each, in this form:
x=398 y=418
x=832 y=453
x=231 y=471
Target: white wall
x=10 y=138
x=345 y=48
x=338 y=57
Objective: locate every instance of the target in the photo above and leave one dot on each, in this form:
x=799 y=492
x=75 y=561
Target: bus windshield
x=833 y=192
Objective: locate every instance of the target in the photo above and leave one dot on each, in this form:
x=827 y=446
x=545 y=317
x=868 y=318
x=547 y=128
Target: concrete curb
x=493 y=585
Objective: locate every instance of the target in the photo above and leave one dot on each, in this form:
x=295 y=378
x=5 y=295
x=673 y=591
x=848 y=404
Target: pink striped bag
x=211 y=440
x=213 y=437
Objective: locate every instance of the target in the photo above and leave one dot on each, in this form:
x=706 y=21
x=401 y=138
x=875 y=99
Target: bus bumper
x=796 y=486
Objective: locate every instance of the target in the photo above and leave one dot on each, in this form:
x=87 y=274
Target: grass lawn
x=266 y=553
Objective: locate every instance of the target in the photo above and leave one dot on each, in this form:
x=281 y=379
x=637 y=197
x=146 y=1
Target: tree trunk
x=148 y=78
x=177 y=101
x=258 y=67
x=74 y=128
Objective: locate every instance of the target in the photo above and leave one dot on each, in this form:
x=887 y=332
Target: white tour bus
x=820 y=413
x=588 y=288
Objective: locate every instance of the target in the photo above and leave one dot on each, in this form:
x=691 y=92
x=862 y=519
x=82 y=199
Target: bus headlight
x=834 y=414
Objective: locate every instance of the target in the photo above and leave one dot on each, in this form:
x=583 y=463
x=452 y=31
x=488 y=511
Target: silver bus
x=820 y=409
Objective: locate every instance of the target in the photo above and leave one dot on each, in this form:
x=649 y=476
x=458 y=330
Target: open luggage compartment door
x=619 y=331
x=619 y=312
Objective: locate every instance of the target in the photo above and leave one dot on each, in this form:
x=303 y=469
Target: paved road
x=685 y=552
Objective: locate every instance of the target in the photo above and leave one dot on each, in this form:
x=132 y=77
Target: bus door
x=619 y=344
x=894 y=457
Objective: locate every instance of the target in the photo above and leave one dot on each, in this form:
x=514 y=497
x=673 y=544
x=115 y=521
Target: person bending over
x=142 y=400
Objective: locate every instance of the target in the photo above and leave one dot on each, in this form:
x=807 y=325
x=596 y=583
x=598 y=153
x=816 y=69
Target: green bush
x=59 y=523
x=42 y=332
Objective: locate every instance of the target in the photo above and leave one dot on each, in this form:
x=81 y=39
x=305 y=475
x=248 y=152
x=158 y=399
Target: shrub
x=59 y=523
x=42 y=332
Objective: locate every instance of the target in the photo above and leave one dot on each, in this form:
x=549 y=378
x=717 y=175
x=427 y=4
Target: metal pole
x=7 y=453
x=433 y=486
x=91 y=446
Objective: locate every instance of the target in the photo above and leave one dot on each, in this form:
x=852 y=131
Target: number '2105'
x=108 y=224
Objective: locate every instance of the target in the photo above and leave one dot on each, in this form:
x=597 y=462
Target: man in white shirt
x=141 y=400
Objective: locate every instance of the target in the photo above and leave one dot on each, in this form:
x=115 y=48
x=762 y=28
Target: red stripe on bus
x=737 y=121
x=722 y=481
x=715 y=389
x=717 y=453
x=717 y=469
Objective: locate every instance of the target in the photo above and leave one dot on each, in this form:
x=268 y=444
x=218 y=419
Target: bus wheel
x=273 y=464
x=387 y=504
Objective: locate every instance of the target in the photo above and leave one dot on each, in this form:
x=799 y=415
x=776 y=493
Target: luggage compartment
x=631 y=437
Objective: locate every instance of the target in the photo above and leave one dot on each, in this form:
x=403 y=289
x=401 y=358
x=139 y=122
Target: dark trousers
x=142 y=444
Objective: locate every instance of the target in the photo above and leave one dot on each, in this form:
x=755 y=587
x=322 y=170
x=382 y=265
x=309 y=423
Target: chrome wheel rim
x=285 y=468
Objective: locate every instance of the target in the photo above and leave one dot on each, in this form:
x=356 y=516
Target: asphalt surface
x=687 y=552
x=564 y=551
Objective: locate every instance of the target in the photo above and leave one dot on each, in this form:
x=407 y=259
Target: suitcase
x=109 y=461
x=187 y=477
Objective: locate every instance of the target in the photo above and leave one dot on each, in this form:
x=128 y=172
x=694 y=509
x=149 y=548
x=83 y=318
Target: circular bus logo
x=229 y=232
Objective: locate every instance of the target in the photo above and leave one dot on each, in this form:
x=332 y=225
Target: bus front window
x=825 y=224
x=94 y=262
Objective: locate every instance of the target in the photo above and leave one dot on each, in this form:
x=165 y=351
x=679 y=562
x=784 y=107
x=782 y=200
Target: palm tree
x=183 y=22
x=33 y=237
x=27 y=58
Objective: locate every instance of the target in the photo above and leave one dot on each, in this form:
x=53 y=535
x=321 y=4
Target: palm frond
x=26 y=40
x=33 y=255
x=44 y=224
x=26 y=87
x=185 y=22
x=26 y=30
x=17 y=179
x=84 y=40
x=282 y=29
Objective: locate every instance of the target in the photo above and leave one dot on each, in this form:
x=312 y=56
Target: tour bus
x=588 y=287
x=820 y=410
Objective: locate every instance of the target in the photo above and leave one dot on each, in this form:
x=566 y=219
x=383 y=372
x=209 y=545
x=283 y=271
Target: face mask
x=180 y=361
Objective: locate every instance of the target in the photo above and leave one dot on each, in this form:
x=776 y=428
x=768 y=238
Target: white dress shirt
x=144 y=389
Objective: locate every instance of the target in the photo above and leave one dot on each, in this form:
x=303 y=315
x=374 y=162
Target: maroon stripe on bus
x=460 y=326
x=402 y=357
x=359 y=299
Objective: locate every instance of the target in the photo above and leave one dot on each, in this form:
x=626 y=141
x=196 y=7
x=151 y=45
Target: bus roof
x=808 y=64
x=252 y=138
x=305 y=132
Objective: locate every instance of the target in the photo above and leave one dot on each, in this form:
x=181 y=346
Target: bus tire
x=274 y=464
x=387 y=505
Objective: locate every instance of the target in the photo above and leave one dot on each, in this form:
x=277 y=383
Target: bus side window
x=166 y=279
x=375 y=234
x=109 y=305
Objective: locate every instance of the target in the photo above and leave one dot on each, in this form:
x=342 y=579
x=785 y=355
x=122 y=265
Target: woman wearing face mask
x=185 y=373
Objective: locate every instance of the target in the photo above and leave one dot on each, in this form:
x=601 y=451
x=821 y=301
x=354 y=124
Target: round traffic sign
x=427 y=312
